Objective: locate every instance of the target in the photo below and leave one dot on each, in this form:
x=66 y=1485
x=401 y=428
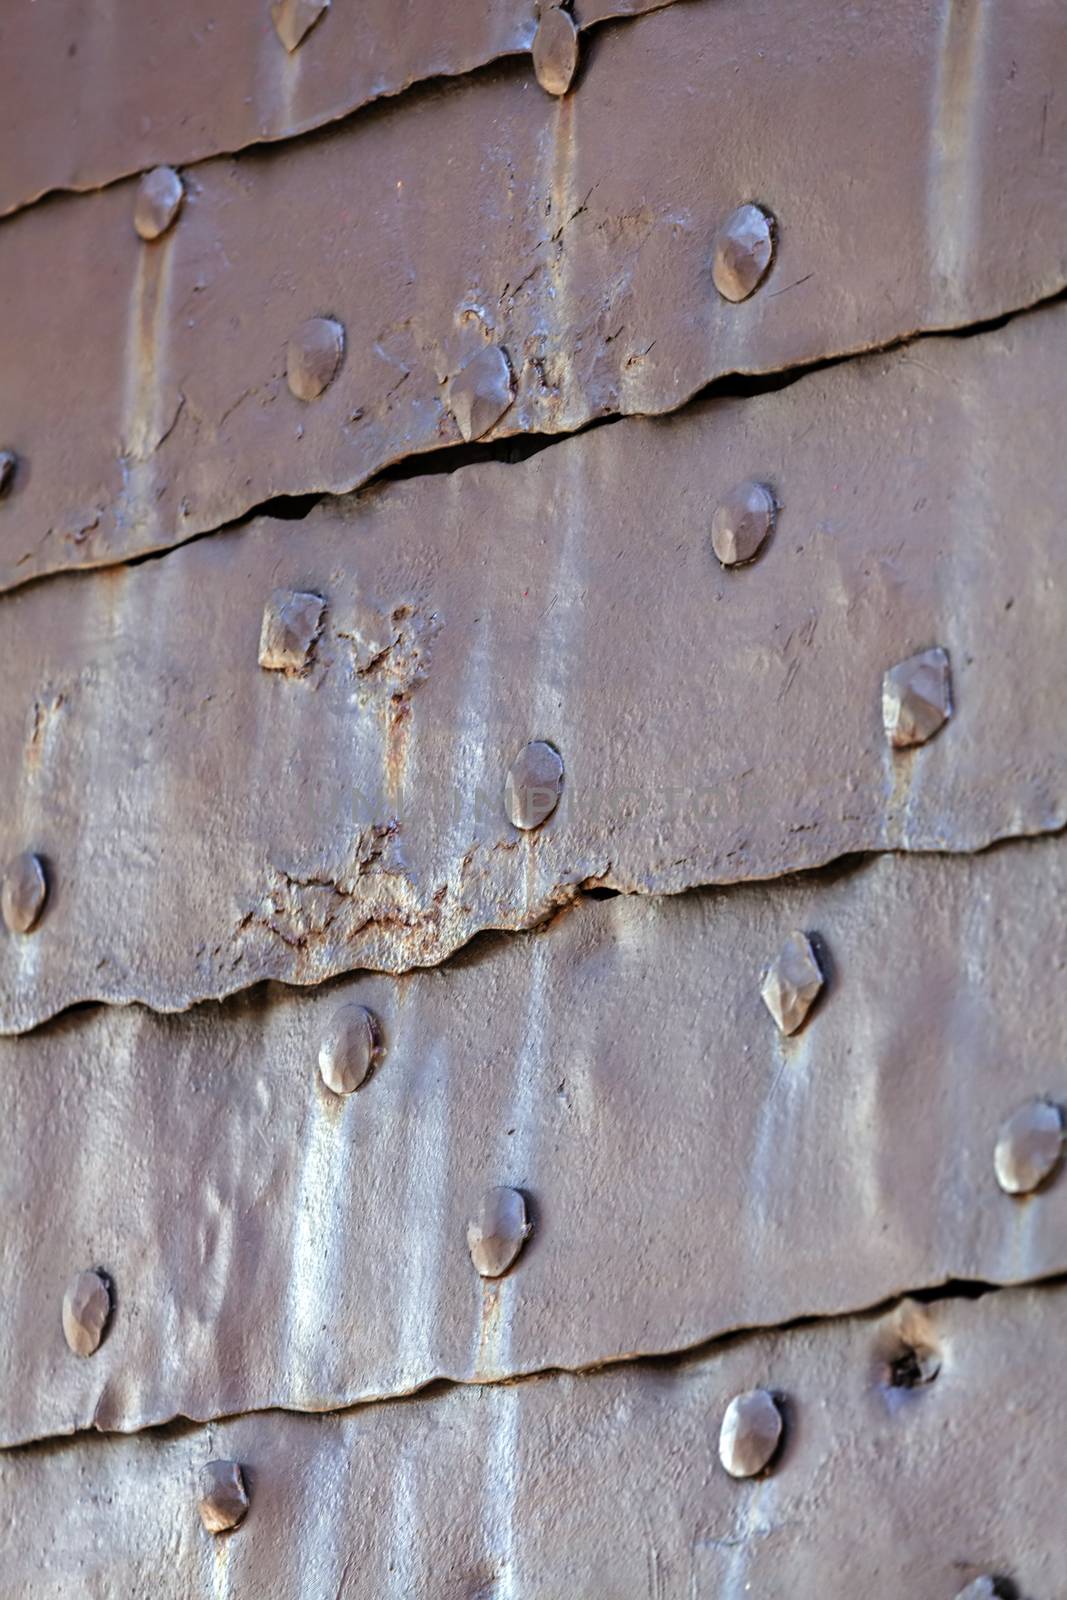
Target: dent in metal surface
x=716 y=726
x=100 y=92
x=594 y=274
x=605 y=1486
x=279 y=1246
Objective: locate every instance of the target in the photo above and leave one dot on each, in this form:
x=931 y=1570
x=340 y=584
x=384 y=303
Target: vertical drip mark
x=147 y=413
x=953 y=188
x=515 y=1157
x=499 y=1488
x=318 y=1236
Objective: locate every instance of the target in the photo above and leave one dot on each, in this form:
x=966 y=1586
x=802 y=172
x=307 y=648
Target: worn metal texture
x=347 y=807
x=687 y=1171
x=103 y=91
x=149 y=401
x=605 y=1486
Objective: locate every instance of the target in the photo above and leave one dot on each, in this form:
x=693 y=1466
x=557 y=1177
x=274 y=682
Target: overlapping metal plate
x=148 y=401
x=688 y=1172
x=604 y=1486
x=104 y=90
x=207 y=823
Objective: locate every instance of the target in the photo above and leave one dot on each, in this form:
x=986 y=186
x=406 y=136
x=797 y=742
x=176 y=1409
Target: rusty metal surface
x=606 y=1486
x=102 y=91
x=346 y=808
x=148 y=402
x=687 y=1171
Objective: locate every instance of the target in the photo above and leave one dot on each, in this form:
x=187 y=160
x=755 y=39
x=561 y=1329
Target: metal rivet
x=159 y=199
x=480 y=394
x=24 y=892
x=792 y=983
x=292 y=622
x=742 y=522
x=313 y=357
x=534 y=782
x=912 y=1368
x=742 y=252
x=8 y=462
x=917 y=698
x=750 y=1434
x=985 y=1588
x=349 y=1049
x=1029 y=1147
x=86 y=1308
x=497 y=1231
x=223 y=1499
x=555 y=50
x=294 y=19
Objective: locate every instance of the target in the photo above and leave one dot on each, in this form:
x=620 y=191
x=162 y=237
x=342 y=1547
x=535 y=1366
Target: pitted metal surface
x=341 y=801
x=148 y=402
x=685 y=1169
x=104 y=91
x=607 y=1485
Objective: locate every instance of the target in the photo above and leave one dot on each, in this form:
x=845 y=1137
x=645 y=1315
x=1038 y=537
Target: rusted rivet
x=750 y=1434
x=497 y=1231
x=86 y=1308
x=292 y=621
x=917 y=698
x=313 y=357
x=159 y=199
x=742 y=522
x=742 y=252
x=24 y=892
x=480 y=394
x=8 y=462
x=534 y=782
x=555 y=50
x=792 y=983
x=349 y=1048
x=294 y=19
x=1029 y=1146
x=223 y=1499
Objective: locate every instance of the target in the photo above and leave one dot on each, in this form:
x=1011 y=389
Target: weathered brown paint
x=714 y=726
x=687 y=1171
x=606 y=1486
x=100 y=91
x=574 y=234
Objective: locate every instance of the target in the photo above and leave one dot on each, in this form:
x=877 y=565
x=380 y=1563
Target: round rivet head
x=159 y=199
x=742 y=522
x=86 y=1308
x=750 y=1434
x=792 y=983
x=742 y=252
x=294 y=19
x=223 y=1499
x=8 y=462
x=481 y=392
x=313 y=357
x=497 y=1232
x=23 y=893
x=349 y=1048
x=555 y=50
x=1029 y=1147
x=534 y=782
x=917 y=698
